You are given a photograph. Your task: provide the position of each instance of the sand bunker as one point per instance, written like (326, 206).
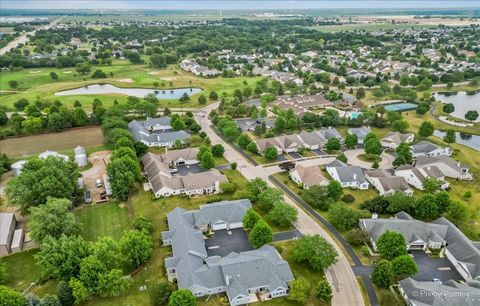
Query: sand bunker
(67, 72)
(36, 71)
(168, 78)
(126, 80)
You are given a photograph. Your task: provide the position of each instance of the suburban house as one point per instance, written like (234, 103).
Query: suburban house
(165, 183)
(156, 132)
(386, 184)
(244, 277)
(288, 143)
(347, 176)
(192, 66)
(447, 165)
(307, 176)
(435, 293)
(11, 239)
(361, 132)
(463, 254)
(426, 149)
(312, 140)
(417, 176)
(264, 143)
(394, 139)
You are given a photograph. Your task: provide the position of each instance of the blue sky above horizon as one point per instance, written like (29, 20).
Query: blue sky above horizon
(233, 5)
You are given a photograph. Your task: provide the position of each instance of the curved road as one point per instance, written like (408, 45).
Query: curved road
(346, 290)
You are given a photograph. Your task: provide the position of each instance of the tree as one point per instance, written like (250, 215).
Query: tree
(251, 218)
(80, 117)
(107, 250)
(431, 184)
(79, 291)
(382, 274)
(471, 115)
(404, 155)
(342, 217)
(202, 100)
(53, 219)
(158, 60)
(299, 290)
(400, 126)
(83, 68)
(136, 246)
(422, 108)
(142, 224)
(60, 258)
(213, 96)
(10, 297)
(391, 245)
(372, 144)
(184, 98)
(21, 104)
(280, 124)
(243, 140)
(404, 266)
(33, 125)
(65, 294)
(123, 151)
(207, 161)
(160, 293)
(333, 144)
(426, 129)
(90, 270)
(426, 207)
(178, 125)
(252, 147)
(99, 74)
(360, 93)
(13, 84)
(283, 214)
(450, 136)
(182, 297)
(40, 179)
(268, 198)
(113, 283)
(270, 154)
(121, 179)
(323, 291)
(260, 234)
(314, 251)
(457, 212)
(317, 196)
(255, 187)
(3, 271)
(351, 141)
(334, 190)
(448, 108)
(5, 163)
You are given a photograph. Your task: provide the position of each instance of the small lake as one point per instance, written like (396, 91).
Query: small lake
(103, 89)
(469, 140)
(463, 102)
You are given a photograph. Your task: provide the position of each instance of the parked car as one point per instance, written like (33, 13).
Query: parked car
(87, 196)
(99, 183)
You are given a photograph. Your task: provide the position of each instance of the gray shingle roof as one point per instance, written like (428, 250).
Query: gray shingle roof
(6, 220)
(348, 173)
(140, 132)
(361, 132)
(424, 147)
(211, 213)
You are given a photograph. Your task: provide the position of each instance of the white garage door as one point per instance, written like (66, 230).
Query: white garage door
(235, 225)
(219, 226)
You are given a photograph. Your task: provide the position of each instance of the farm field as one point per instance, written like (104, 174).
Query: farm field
(371, 27)
(67, 140)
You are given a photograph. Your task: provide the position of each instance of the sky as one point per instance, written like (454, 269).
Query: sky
(232, 5)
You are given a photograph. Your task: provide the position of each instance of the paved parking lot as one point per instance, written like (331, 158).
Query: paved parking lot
(223, 242)
(184, 170)
(430, 268)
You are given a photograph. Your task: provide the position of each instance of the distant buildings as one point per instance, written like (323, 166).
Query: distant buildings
(193, 67)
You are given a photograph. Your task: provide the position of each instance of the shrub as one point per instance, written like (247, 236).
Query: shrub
(348, 198)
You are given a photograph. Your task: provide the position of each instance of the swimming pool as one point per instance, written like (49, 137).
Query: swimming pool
(400, 107)
(354, 115)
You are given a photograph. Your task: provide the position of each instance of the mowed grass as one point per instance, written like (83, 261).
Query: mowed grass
(36, 84)
(67, 140)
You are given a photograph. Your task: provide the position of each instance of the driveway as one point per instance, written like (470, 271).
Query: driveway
(99, 161)
(185, 170)
(431, 267)
(295, 155)
(351, 155)
(288, 235)
(223, 242)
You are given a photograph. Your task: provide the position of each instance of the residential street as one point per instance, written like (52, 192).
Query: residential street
(346, 290)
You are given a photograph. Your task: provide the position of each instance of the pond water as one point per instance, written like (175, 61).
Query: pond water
(400, 107)
(463, 102)
(103, 89)
(469, 140)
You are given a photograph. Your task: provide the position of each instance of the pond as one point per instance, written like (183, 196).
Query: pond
(103, 89)
(469, 140)
(462, 101)
(400, 107)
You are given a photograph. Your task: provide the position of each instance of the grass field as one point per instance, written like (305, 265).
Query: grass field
(67, 140)
(36, 84)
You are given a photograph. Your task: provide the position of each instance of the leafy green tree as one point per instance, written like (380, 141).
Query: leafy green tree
(33, 125)
(431, 184)
(400, 126)
(65, 294)
(426, 129)
(113, 283)
(255, 187)
(323, 291)
(10, 297)
(457, 212)
(182, 297)
(382, 274)
(124, 142)
(404, 266)
(207, 161)
(333, 144)
(360, 93)
(184, 98)
(270, 154)
(450, 136)
(218, 150)
(136, 246)
(299, 290)
(202, 100)
(60, 258)
(426, 207)
(342, 217)
(351, 141)
(79, 291)
(142, 224)
(334, 190)
(283, 215)
(90, 270)
(121, 178)
(252, 147)
(83, 68)
(4, 163)
(251, 218)
(107, 250)
(53, 219)
(13, 84)
(160, 293)
(80, 117)
(268, 198)
(471, 115)
(280, 124)
(422, 108)
(40, 179)
(317, 196)
(213, 96)
(178, 125)
(372, 144)
(314, 251)
(123, 151)
(113, 135)
(448, 108)
(99, 74)
(391, 244)
(260, 234)
(404, 155)
(243, 140)
(3, 117)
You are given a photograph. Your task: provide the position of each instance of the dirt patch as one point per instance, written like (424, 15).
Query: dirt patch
(99, 161)
(33, 145)
(126, 80)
